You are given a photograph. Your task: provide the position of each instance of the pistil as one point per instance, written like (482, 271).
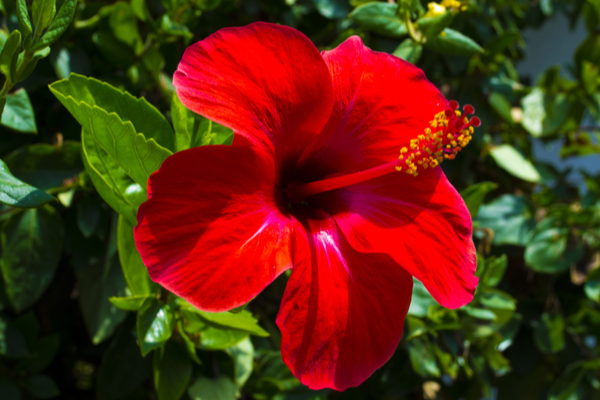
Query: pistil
(448, 133)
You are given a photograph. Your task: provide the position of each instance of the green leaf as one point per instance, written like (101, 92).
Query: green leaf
(136, 273)
(42, 387)
(43, 13)
(431, 26)
(548, 333)
(421, 300)
(513, 162)
(18, 113)
(155, 322)
(422, 358)
(24, 23)
(479, 313)
(172, 371)
(41, 354)
(208, 337)
(243, 321)
(409, 50)
(32, 245)
(37, 56)
(501, 105)
(45, 166)
(122, 369)
(123, 25)
(497, 299)
(190, 346)
(12, 342)
(146, 119)
(550, 250)
(9, 56)
(542, 113)
(592, 285)
(566, 385)
(495, 267)
(59, 25)
(500, 43)
(131, 303)
(380, 18)
(332, 9)
(474, 195)
(111, 181)
(208, 389)
(453, 42)
(242, 355)
(98, 282)
(16, 193)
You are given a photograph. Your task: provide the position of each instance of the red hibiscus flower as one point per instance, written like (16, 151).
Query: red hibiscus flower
(333, 174)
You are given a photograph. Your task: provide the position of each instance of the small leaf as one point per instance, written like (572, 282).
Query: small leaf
(548, 333)
(172, 371)
(43, 13)
(509, 218)
(431, 26)
(380, 18)
(243, 320)
(135, 272)
(421, 300)
(495, 267)
(37, 56)
(474, 195)
(131, 303)
(242, 355)
(88, 215)
(59, 25)
(16, 193)
(42, 387)
(566, 385)
(32, 246)
(453, 42)
(18, 113)
(9, 56)
(24, 23)
(422, 357)
(543, 114)
(592, 285)
(155, 322)
(514, 163)
(409, 50)
(550, 250)
(207, 389)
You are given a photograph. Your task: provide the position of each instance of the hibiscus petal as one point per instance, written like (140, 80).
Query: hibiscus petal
(422, 222)
(342, 313)
(212, 231)
(266, 82)
(381, 103)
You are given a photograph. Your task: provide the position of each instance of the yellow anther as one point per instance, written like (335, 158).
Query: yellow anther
(398, 169)
(404, 150)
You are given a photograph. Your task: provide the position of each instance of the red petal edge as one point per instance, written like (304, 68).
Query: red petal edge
(265, 81)
(342, 313)
(422, 222)
(211, 231)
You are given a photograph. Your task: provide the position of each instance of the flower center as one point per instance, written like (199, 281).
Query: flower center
(450, 131)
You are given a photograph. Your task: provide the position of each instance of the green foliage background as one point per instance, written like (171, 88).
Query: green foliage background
(79, 317)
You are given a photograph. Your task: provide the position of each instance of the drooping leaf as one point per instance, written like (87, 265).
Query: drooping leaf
(243, 320)
(380, 18)
(512, 161)
(155, 322)
(146, 119)
(18, 113)
(453, 42)
(32, 245)
(135, 272)
(172, 371)
(130, 303)
(409, 50)
(16, 193)
(242, 355)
